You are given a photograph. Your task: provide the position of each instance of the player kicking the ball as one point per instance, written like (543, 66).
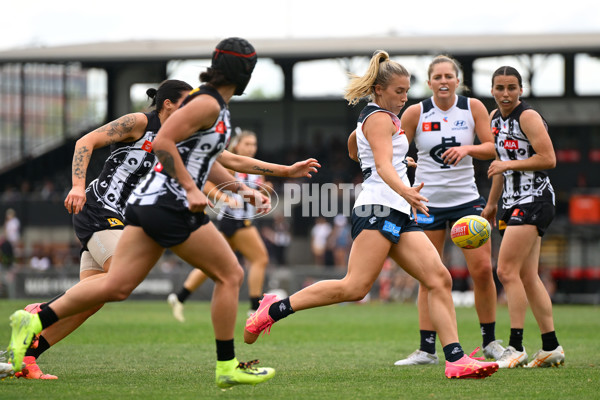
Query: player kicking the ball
(382, 225)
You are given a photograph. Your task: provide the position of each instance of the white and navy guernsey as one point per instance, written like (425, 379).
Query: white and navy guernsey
(437, 131)
(374, 190)
(520, 187)
(198, 152)
(127, 164)
(247, 210)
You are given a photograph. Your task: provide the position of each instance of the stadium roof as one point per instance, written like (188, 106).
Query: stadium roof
(316, 48)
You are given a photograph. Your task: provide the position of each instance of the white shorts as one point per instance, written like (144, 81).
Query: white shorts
(101, 247)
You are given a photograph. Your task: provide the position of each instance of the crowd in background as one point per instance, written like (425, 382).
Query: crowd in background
(328, 238)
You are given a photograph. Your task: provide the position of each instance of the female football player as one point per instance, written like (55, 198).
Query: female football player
(166, 210)
(444, 128)
(524, 153)
(382, 225)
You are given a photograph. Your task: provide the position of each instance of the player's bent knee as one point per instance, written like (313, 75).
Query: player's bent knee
(482, 274)
(507, 275)
(233, 276)
(440, 279)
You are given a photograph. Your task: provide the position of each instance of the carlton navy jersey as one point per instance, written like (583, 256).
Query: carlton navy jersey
(198, 152)
(373, 189)
(520, 187)
(127, 164)
(437, 131)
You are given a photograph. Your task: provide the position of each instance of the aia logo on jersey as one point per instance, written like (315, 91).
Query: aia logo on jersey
(220, 129)
(147, 146)
(511, 144)
(431, 126)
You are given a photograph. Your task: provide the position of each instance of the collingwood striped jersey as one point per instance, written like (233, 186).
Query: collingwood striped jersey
(374, 189)
(198, 153)
(520, 187)
(437, 131)
(127, 164)
(246, 210)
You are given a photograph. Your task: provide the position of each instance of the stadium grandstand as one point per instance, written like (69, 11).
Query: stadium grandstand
(51, 96)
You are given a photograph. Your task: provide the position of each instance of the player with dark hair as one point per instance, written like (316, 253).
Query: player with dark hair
(235, 222)
(524, 154)
(98, 210)
(166, 210)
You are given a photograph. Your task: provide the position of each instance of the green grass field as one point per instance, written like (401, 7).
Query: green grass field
(136, 350)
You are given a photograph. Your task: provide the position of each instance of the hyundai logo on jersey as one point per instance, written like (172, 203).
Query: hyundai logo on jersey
(460, 123)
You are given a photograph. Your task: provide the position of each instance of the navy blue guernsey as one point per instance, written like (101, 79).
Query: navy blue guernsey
(520, 187)
(127, 164)
(198, 152)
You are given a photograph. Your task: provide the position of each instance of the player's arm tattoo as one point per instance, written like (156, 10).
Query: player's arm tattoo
(80, 160)
(265, 170)
(117, 129)
(167, 161)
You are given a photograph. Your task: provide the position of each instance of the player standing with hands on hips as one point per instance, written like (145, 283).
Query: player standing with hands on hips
(382, 225)
(166, 210)
(444, 128)
(524, 153)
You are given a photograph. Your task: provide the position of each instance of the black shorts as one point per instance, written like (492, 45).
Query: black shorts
(167, 226)
(539, 214)
(93, 218)
(230, 226)
(444, 217)
(388, 221)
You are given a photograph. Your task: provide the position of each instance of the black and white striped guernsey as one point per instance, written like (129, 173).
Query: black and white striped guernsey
(127, 164)
(198, 152)
(520, 187)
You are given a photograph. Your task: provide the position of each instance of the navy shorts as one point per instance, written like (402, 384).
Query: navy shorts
(539, 214)
(230, 226)
(166, 226)
(388, 221)
(444, 217)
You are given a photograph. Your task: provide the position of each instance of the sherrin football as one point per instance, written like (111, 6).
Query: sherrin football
(470, 232)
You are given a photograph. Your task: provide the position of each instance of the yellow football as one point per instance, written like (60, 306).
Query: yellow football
(470, 232)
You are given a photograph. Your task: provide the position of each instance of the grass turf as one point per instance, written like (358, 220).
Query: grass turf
(136, 350)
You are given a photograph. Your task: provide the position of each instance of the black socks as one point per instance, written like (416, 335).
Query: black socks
(427, 341)
(225, 350)
(254, 303)
(549, 341)
(516, 339)
(280, 309)
(453, 352)
(47, 317)
(488, 332)
(42, 346)
(183, 294)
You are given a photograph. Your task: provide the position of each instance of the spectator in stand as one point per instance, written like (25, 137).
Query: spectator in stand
(319, 235)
